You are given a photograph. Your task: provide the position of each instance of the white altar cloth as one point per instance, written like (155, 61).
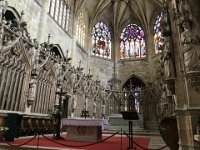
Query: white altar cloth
(85, 122)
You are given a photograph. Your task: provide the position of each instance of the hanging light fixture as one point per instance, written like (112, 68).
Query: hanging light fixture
(114, 80)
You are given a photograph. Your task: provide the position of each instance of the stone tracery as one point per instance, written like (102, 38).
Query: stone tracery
(36, 79)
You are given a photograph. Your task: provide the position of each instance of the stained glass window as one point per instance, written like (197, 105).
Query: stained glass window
(101, 41)
(157, 33)
(132, 44)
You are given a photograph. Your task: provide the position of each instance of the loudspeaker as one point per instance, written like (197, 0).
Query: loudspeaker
(13, 122)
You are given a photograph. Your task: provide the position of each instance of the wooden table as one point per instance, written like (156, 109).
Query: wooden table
(83, 129)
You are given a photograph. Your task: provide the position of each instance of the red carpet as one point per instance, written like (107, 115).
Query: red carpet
(113, 143)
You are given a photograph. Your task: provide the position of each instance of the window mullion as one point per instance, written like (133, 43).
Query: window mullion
(62, 13)
(55, 6)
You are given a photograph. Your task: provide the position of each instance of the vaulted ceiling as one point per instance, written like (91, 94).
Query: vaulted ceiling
(119, 13)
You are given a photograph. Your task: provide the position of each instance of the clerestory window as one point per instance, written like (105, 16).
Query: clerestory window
(59, 10)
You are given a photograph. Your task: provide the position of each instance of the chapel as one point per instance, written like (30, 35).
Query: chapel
(94, 59)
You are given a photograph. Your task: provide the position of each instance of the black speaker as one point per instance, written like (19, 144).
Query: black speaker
(13, 122)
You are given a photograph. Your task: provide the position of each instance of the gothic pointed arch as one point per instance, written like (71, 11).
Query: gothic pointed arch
(133, 82)
(131, 93)
(11, 14)
(12, 17)
(56, 49)
(132, 42)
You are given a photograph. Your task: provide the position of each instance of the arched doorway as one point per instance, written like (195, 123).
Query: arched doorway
(131, 91)
(130, 99)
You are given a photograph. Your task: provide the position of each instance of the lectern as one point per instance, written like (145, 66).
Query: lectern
(130, 115)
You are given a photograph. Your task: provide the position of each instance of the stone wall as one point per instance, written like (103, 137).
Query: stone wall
(102, 69)
(81, 55)
(40, 24)
(140, 68)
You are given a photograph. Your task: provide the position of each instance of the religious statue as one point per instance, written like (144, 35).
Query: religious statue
(86, 103)
(74, 102)
(165, 26)
(167, 55)
(185, 10)
(191, 49)
(57, 100)
(32, 91)
(167, 61)
(94, 107)
(103, 110)
(166, 102)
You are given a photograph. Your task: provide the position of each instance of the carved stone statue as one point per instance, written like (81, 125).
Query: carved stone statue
(167, 61)
(165, 26)
(74, 102)
(103, 109)
(32, 90)
(185, 10)
(86, 103)
(191, 49)
(94, 107)
(167, 55)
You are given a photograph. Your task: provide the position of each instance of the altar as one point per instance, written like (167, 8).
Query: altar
(84, 129)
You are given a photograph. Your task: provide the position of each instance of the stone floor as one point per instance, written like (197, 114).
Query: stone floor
(156, 140)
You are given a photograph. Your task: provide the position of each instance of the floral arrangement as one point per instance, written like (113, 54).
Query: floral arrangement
(3, 129)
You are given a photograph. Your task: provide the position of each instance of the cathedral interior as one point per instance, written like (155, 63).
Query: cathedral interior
(97, 58)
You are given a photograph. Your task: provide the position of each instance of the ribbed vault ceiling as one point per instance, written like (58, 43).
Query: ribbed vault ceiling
(118, 13)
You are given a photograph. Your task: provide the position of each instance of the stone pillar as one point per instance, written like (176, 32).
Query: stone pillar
(187, 120)
(182, 14)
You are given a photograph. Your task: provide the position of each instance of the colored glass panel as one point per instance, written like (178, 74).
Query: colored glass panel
(132, 44)
(101, 41)
(157, 33)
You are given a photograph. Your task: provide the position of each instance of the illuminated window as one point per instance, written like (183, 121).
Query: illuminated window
(81, 28)
(157, 33)
(59, 10)
(132, 44)
(101, 41)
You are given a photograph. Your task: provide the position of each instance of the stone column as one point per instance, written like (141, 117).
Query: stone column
(187, 92)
